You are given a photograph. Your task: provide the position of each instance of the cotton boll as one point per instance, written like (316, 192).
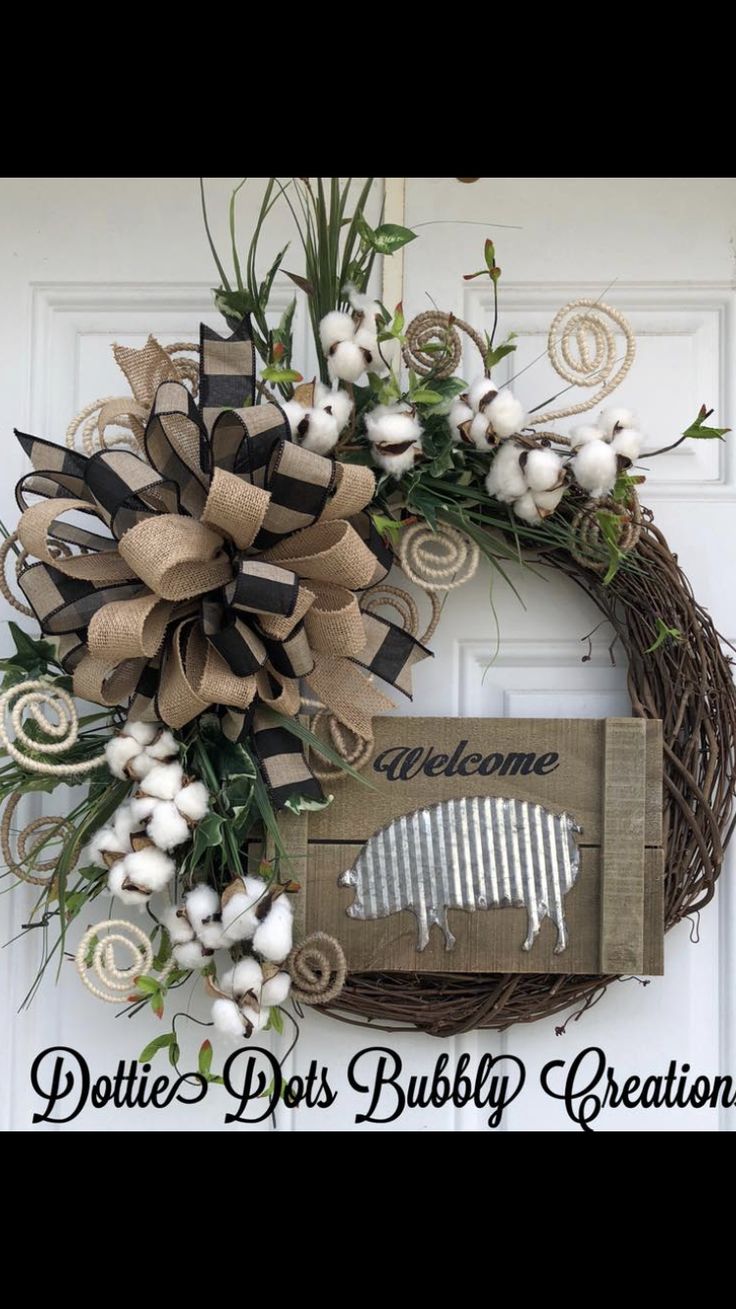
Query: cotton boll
(612, 419)
(125, 822)
(142, 806)
(167, 827)
(460, 412)
(201, 904)
(627, 442)
(543, 470)
(177, 925)
(582, 435)
(321, 432)
(368, 342)
(258, 1021)
(127, 894)
(395, 464)
(365, 305)
(547, 501)
(193, 801)
(480, 393)
(239, 913)
(244, 977)
(394, 426)
(148, 868)
(526, 509)
(227, 1019)
(143, 733)
(595, 468)
(480, 433)
(141, 766)
(337, 402)
(335, 327)
(295, 415)
(506, 480)
(276, 990)
(165, 746)
(346, 362)
(505, 414)
(118, 754)
(192, 954)
(105, 841)
(163, 781)
(273, 937)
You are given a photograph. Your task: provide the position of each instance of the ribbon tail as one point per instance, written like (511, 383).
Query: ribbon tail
(390, 652)
(348, 694)
(282, 761)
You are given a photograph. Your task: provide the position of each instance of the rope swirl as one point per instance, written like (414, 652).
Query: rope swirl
(116, 983)
(583, 351)
(25, 863)
(44, 702)
(438, 560)
(436, 328)
(318, 969)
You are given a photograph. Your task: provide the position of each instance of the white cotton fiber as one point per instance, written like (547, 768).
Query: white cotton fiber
(142, 806)
(245, 976)
(295, 414)
(276, 990)
(365, 305)
(143, 733)
(480, 393)
(337, 402)
(178, 927)
(118, 752)
(480, 432)
(193, 801)
(125, 822)
(506, 480)
(393, 426)
(547, 501)
(115, 879)
(227, 1019)
(526, 509)
(141, 766)
(163, 781)
(148, 868)
(201, 903)
(167, 828)
(257, 1020)
(369, 345)
(107, 841)
(192, 954)
(347, 362)
(595, 468)
(335, 327)
(543, 470)
(239, 920)
(505, 414)
(321, 434)
(272, 938)
(165, 746)
(627, 442)
(582, 435)
(460, 412)
(395, 464)
(612, 419)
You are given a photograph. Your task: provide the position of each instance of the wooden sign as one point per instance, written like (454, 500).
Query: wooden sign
(492, 845)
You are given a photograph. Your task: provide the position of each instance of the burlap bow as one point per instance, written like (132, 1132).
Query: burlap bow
(232, 569)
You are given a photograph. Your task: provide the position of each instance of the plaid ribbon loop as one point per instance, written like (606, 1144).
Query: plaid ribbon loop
(229, 567)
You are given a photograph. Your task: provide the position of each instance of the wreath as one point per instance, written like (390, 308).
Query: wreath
(209, 570)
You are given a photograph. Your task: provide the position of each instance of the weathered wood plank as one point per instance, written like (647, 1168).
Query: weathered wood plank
(622, 871)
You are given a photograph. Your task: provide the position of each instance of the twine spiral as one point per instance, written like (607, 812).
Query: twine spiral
(583, 351)
(438, 560)
(116, 983)
(587, 534)
(318, 969)
(126, 412)
(436, 328)
(44, 702)
(25, 863)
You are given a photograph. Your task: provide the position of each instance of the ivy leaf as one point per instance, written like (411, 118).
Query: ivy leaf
(388, 238)
(30, 650)
(208, 834)
(167, 1039)
(234, 304)
(389, 528)
(697, 431)
(303, 804)
(204, 1062)
(664, 633)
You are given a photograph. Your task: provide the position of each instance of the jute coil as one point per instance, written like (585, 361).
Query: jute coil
(436, 328)
(439, 559)
(588, 535)
(25, 863)
(583, 350)
(353, 749)
(318, 969)
(116, 983)
(52, 709)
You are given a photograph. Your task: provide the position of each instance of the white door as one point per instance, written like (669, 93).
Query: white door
(86, 262)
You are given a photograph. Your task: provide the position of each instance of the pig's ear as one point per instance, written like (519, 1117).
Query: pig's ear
(348, 878)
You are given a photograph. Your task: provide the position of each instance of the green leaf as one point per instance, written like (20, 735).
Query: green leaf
(303, 804)
(89, 956)
(495, 356)
(468, 277)
(697, 431)
(283, 376)
(29, 649)
(207, 835)
(302, 282)
(174, 1053)
(264, 291)
(390, 237)
(426, 397)
(388, 527)
(166, 1040)
(204, 1063)
(489, 251)
(147, 985)
(234, 304)
(276, 1021)
(664, 633)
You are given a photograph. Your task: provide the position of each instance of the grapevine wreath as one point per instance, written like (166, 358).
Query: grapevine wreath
(207, 559)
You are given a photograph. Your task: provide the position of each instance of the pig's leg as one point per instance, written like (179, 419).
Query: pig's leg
(440, 918)
(422, 928)
(559, 921)
(533, 925)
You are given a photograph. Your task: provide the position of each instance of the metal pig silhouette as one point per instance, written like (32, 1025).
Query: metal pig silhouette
(480, 852)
